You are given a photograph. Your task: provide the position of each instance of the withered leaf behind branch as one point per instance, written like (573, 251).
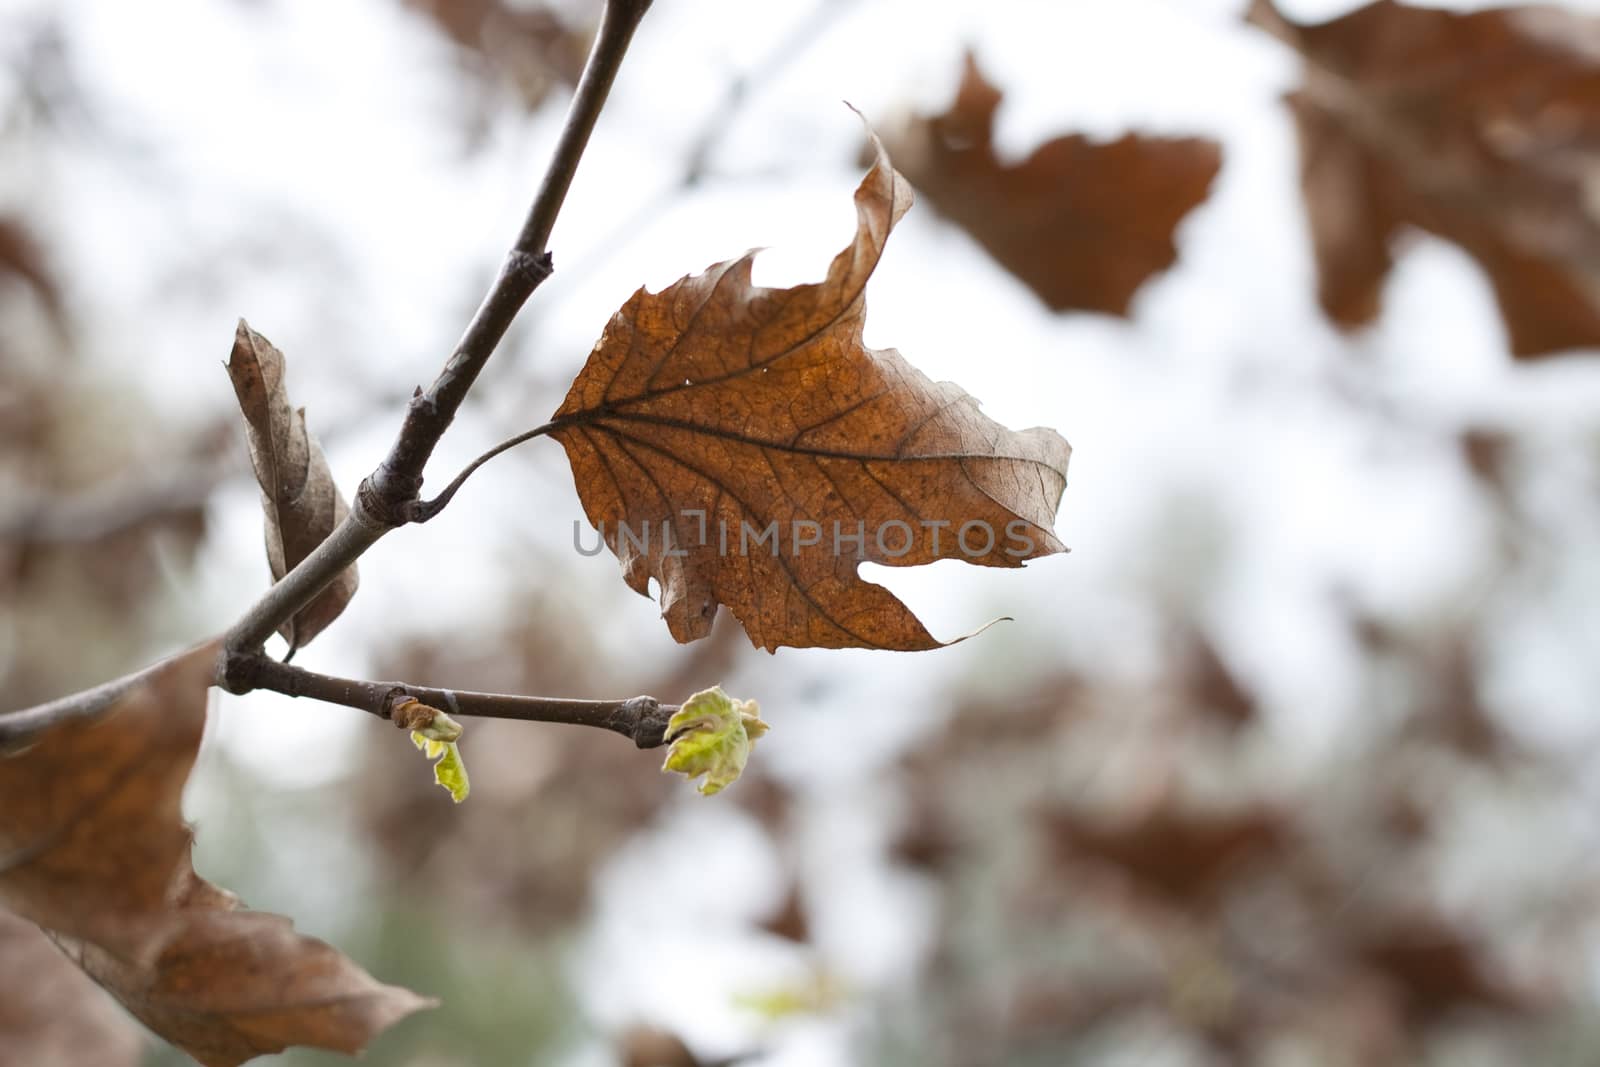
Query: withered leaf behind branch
(93, 849)
(53, 1013)
(91, 831)
(719, 412)
(228, 984)
(1478, 127)
(301, 502)
(533, 46)
(1082, 224)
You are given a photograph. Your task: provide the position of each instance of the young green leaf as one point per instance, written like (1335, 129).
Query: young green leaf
(435, 734)
(448, 768)
(712, 735)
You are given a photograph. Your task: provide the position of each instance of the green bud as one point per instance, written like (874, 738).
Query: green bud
(711, 735)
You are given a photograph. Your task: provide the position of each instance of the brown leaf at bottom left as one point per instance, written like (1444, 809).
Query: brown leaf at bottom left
(94, 851)
(51, 1012)
(92, 838)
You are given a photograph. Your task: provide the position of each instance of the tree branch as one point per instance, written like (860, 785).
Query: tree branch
(642, 719)
(389, 497)
(87, 516)
(392, 489)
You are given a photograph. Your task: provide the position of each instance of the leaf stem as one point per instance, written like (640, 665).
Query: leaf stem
(642, 719)
(426, 510)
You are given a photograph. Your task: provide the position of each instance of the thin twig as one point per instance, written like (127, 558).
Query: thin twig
(390, 496)
(642, 719)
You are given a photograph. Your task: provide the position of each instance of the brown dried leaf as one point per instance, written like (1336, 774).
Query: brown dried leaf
(51, 1012)
(761, 408)
(91, 832)
(94, 849)
(228, 985)
(1082, 224)
(1480, 128)
(301, 503)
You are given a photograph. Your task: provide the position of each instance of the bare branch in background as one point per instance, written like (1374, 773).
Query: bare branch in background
(107, 509)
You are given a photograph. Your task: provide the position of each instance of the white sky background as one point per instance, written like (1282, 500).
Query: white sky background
(1227, 413)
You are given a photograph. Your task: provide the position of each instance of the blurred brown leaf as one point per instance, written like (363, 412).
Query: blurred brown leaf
(1445, 699)
(93, 848)
(1489, 454)
(301, 502)
(1438, 970)
(1104, 868)
(1082, 224)
(228, 984)
(644, 1046)
(791, 921)
(22, 257)
(1212, 688)
(51, 1012)
(532, 47)
(760, 406)
(1480, 128)
(1184, 856)
(91, 834)
(925, 844)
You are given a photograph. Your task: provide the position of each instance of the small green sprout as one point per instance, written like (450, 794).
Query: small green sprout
(711, 735)
(435, 734)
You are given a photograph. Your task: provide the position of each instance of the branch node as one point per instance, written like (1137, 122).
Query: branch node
(387, 498)
(239, 671)
(532, 269)
(645, 720)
